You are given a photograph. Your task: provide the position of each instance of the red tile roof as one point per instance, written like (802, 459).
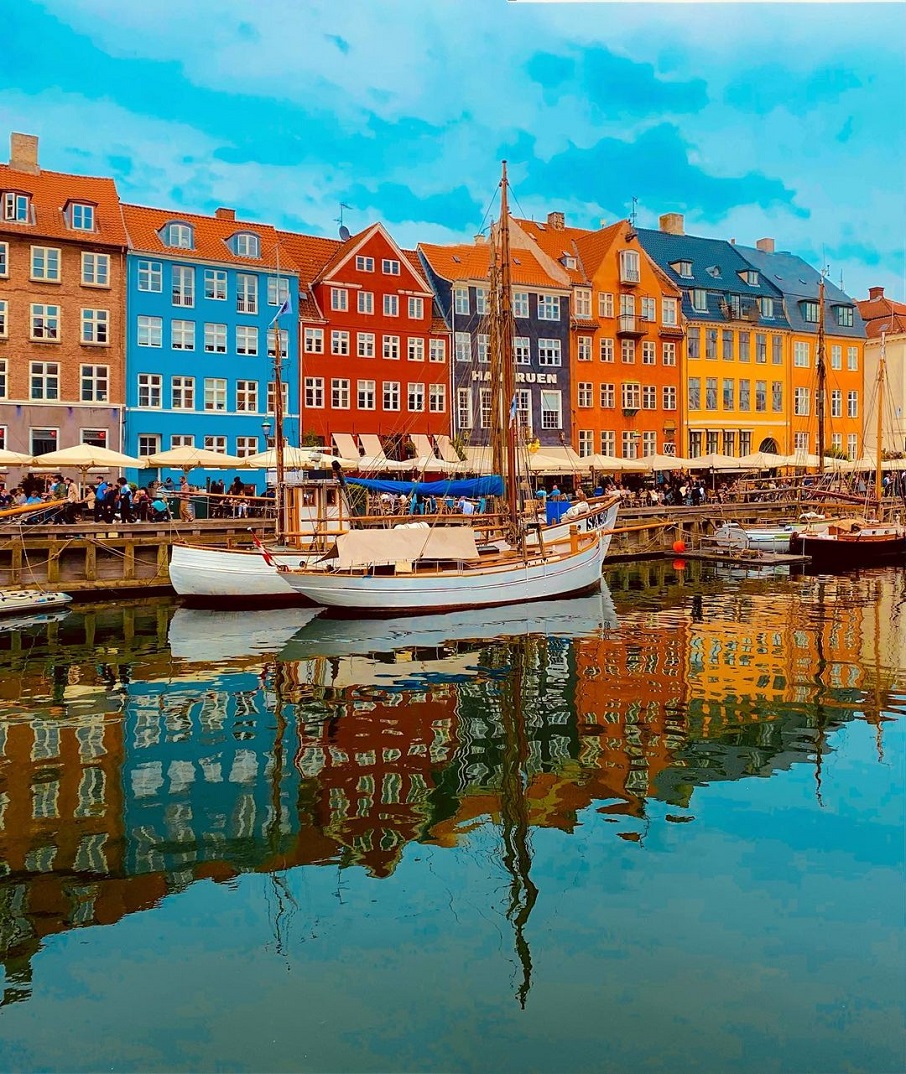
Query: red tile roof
(311, 253)
(560, 243)
(210, 235)
(51, 191)
(882, 312)
(472, 262)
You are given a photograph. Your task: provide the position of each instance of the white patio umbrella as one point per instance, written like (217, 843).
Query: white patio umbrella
(296, 458)
(801, 460)
(84, 456)
(14, 458)
(613, 464)
(665, 462)
(761, 460)
(193, 458)
(714, 461)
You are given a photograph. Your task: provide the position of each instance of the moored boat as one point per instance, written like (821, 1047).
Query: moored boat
(25, 601)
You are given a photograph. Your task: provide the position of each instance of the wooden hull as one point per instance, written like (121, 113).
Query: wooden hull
(212, 575)
(485, 586)
(839, 551)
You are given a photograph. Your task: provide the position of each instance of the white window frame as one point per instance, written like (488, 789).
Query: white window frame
(46, 264)
(215, 395)
(215, 338)
(150, 391)
(94, 383)
(95, 270)
(182, 393)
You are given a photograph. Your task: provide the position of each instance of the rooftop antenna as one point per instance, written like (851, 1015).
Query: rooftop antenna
(632, 218)
(344, 230)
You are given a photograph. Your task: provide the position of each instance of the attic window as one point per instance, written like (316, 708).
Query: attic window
(178, 235)
(810, 312)
(81, 216)
(246, 244)
(844, 316)
(682, 268)
(568, 262)
(516, 261)
(714, 271)
(456, 259)
(749, 276)
(17, 207)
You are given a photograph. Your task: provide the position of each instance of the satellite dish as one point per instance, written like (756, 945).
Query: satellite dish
(344, 232)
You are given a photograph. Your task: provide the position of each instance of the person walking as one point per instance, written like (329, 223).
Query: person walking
(124, 500)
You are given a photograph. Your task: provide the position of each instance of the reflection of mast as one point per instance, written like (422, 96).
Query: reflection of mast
(517, 852)
(822, 375)
(282, 894)
(820, 668)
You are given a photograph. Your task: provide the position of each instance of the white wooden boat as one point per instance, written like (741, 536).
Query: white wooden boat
(25, 601)
(738, 538)
(231, 575)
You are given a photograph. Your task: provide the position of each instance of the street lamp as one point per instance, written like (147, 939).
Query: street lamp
(266, 426)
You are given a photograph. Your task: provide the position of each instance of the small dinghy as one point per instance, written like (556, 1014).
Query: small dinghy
(27, 601)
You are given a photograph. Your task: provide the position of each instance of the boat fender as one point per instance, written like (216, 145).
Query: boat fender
(577, 509)
(412, 526)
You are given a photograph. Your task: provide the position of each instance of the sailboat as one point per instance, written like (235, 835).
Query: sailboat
(432, 568)
(857, 542)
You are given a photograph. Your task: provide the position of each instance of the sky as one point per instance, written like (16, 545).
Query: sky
(752, 120)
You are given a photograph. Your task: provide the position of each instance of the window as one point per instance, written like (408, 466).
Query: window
(836, 357)
(629, 266)
(416, 308)
(416, 349)
(246, 293)
(627, 351)
(694, 342)
(247, 396)
(246, 245)
(364, 264)
(727, 340)
(630, 440)
(745, 443)
(339, 390)
(744, 341)
(605, 304)
(462, 347)
(520, 304)
(852, 445)
(606, 349)
(150, 276)
(215, 443)
(810, 311)
(4, 259)
(246, 339)
(390, 268)
(669, 397)
(178, 235)
(548, 310)
(461, 300)
(484, 406)
(148, 444)
(339, 299)
(713, 441)
(631, 395)
(45, 380)
(699, 299)
(801, 354)
(391, 305)
(150, 389)
(649, 309)
(215, 392)
(246, 445)
(668, 353)
(852, 404)
(391, 347)
(583, 349)
(649, 353)
(481, 300)
(95, 270)
(272, 342)
(801, 402)
(582, 300)
(366, 302)
(277, 290)
(365, 344)
(182, 440)
(95, 437)
(766, 307)
(45, 323)
(711, 344)
(608, 442)
(45, 263)
(776, 350)
(339, 342)
(729, 393)
(44, 440)
(416, 398)
(94, 381)
(777, 396)
(551, 414)
(215, 285)
(182, 393)
(585, 393)
(215, 337)
(17, 208)
(649, 397)
(586, 443)
(183, 286)
(745, 389)
(695, 393)
(463, 408)
(365, 394)
(711, 393)
(837, 442)
(844, 316)
(94, 327)
(627, 306)
(761, 347)
(483, 344)
(549, 354)
(314, 340)
(695, 443)
(682, 268)
(836, 403)
(608, 395)
(391, 395)
(272, 396)
(852, 359)
(4, 328)
(668, 311)
(182, 335)
(750, 277)
(522, 350)
(761, 395)
(437, 350)
(314, 392)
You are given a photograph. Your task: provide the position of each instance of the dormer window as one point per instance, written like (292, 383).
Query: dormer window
(713, 271)
(245, 244)
(178, 235)
(568, 262)
(17, 207)
(81, 216)
(810, 312)
(844, 316)
(682, 268)
(749, 276)
(766, 305)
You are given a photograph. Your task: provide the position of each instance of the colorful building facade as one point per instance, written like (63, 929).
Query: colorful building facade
(885, 327)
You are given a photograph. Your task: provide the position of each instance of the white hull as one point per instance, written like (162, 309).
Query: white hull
(203, 635)
(25, 601)
(536, 578)
(222, 574)
(731, 535)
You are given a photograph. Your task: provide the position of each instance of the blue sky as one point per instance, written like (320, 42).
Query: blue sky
(752, 120)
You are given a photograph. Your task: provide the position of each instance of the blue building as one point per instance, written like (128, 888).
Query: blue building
(202, 293)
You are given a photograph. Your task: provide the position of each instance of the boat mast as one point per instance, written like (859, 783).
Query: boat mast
(278, 432)
(822, 376)
(505, 334)
(879, 425)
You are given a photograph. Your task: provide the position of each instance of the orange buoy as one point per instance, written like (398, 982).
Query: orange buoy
(679, 546)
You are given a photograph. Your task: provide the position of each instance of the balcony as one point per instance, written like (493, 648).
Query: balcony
(630, 325)
(629, 274)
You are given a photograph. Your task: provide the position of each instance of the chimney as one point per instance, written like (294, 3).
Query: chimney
(765, 245)
(672, 223)
(23, 152)
(557, 221)
(875, 293)
(732, 242)
(225, 214)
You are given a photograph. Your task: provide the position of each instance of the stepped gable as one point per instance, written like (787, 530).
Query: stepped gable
(210, 238)
(51, 192)
(879, 311)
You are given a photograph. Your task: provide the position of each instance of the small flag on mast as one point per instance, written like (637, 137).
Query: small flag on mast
(514, 410)
(285, 307)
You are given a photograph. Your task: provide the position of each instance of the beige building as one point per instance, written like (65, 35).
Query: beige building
(885, 322)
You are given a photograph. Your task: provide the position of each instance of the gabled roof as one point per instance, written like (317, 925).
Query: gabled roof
(560, 243)
(883, 313)
(471, 262)
(357, 242)
(716, 263)
(210, 235)
(51, 192)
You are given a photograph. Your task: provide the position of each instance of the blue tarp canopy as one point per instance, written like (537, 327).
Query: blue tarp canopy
(474, 487)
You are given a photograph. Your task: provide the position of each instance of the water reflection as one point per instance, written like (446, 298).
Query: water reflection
(143, 748)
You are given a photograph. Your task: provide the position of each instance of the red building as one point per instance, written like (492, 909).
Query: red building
(375, 360)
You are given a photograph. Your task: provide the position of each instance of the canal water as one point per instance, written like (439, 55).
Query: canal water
(657, 830)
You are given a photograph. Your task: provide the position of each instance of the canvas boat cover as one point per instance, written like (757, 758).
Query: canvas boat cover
(378, 548)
